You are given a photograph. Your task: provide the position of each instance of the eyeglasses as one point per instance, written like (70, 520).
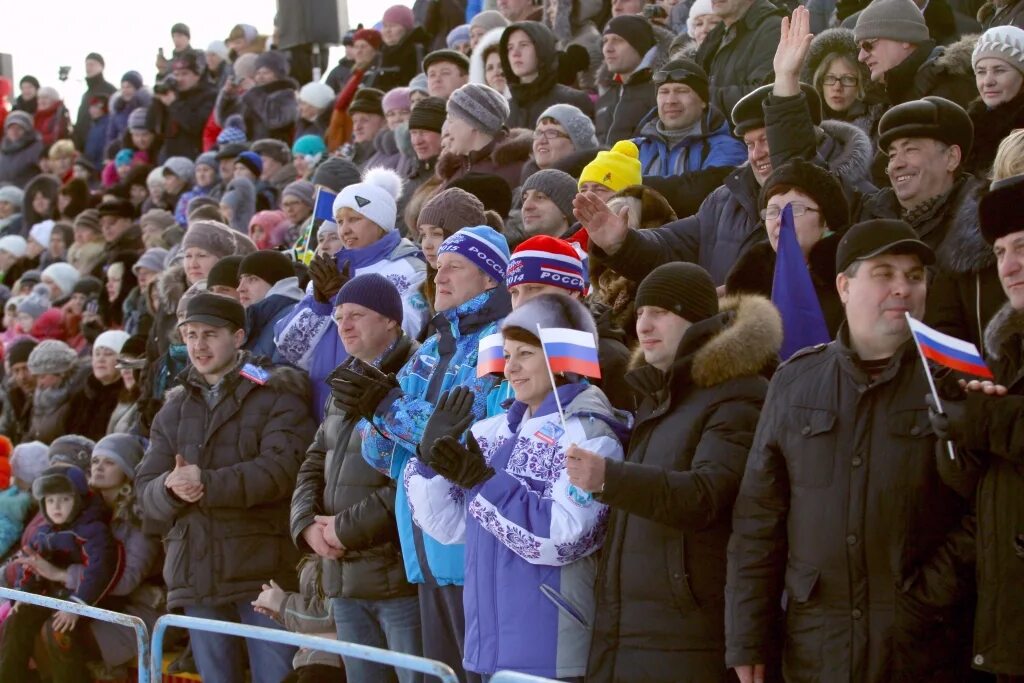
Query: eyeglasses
(867, 45)
(675, 76)
(845, 81)
(772, 213)
(550, 134)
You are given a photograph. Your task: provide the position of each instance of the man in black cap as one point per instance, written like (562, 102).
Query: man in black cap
(671, 499)
(446, 71)
(737, 54)
(181, 121)
(367, 116)
(986, 425)
(16, 391)
(96, 87)
(268, 289)
(226, 157)
(841, 502)
(629, 49)
(222, 460)
(278, 170)
(117, 222)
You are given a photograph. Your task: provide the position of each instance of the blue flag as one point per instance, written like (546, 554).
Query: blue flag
(323, 210)
(803, 323)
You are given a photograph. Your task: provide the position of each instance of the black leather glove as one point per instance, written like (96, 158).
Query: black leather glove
(951, 423)
(462, 465)
(327, 279)
(359, 392)
(452, 416)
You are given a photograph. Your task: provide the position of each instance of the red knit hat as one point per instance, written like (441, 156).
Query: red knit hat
(370, 36)
(546, 260)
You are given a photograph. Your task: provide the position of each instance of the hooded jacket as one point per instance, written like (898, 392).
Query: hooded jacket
(842, 505)
(335, 480)
(712, 146)
(444, 361)
(530, 535)
(261, 316)
(628, 100)
(662, 574)
(477, 67)
(738, 60)
(120, 110)
(529, 100)
(248, 440)
(19, 160)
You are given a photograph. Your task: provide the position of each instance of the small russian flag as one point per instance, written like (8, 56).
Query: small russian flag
(570, 351)
(948, 351)
(491, 356)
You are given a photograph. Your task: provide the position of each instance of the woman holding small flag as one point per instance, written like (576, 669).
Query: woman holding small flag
(531, 536)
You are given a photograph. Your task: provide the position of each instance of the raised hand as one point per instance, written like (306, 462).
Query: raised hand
(794, 43)
(607, 230)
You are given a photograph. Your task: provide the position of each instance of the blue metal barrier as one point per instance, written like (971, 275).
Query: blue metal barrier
(513, 677)
(338, 647)
(141, 632)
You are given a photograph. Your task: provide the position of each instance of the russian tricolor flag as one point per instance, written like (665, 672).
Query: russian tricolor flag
(948, 351)
(491, 356)
(570, 351)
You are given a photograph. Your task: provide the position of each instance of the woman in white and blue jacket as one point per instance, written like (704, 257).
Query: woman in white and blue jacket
(531, 537)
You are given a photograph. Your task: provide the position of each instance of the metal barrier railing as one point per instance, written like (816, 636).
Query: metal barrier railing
(514, 677)
(338, 647)
(135, 623)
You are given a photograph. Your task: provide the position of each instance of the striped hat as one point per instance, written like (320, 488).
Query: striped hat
(545, 260)
(483, 246)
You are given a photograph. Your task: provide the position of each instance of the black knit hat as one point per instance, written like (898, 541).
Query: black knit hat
(748, 114)
(88, 285)
(453, 56)
(816, 183)
(336, 174)
(224, 273)
(490, 189)
(635, 30)
(999, 211)
(182, 29)
(231, 150)
(269, 266)
(373, 291)
(428, 114)
(19, 351)
(685, 71)
(929, 117)
(188, 61)
(881, 236)
(367, 101)
(685, 289)
(213, 309)
(121, 208)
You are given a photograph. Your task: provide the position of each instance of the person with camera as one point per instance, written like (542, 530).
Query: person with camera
(182, 109)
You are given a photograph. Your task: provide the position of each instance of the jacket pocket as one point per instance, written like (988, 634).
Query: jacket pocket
(813, 443)
(801, 580)
(910, 424)
(677, 576)
(249, 551)
(177, 565)
(564, 605)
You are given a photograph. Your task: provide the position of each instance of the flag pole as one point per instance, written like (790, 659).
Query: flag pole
(931, 382)
(554, 388)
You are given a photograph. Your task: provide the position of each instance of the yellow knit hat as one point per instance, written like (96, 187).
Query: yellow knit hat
(616, 169)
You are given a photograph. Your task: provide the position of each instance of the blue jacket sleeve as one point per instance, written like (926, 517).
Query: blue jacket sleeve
(103, 559)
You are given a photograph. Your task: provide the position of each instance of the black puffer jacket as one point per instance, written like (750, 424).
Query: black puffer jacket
(396, 65)
(335, 480)
(181, 124)
(842, 505)
(269, 111)
(930, 70)
(661, 578)
(990, 127)
(738, 60)
(529, 100)
(622, 107)
(249, 446)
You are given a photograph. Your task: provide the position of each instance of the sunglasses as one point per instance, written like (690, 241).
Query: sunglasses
(675, 76)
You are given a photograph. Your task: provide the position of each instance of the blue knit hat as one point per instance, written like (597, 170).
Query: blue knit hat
(234, 131)
(252, 161)
(309, 145)
(483, 246)
(373, 291)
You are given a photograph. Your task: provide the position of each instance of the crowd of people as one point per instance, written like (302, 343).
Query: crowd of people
(250, 371)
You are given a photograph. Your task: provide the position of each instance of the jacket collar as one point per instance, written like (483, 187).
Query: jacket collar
(480, 311)
(900, 79)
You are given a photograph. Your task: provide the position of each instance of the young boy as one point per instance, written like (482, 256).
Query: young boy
(76, 531)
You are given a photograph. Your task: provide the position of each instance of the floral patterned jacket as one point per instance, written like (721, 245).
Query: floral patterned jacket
(531, 537)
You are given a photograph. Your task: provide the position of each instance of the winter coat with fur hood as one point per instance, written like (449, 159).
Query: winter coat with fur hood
(269, 111)
(931, 70)
(248, 440)
(504, 156)
(529, 100)
(661, 577)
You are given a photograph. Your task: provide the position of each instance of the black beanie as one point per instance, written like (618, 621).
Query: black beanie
(635, 30)
(19, 351)
(685, 289)
(88, 285)
(492, 191)
(428, 114)
(269, 266)
(224, 273)
(816, 183)
(685, 71)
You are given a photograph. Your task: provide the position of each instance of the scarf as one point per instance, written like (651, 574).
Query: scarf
(368, 255)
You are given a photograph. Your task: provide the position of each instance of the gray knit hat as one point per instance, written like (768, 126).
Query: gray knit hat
(481, 106)
(123, 449)
(153, 259)
(37, 302)
(72, 449)
(559, 186)
(1002, 42)
(302, 190)
(489, 20)
(208, 159)
(210, 236)
(183, 168)
(51, 357)
(577, 124)
(12, 195)
(336, 174)
(899, 20)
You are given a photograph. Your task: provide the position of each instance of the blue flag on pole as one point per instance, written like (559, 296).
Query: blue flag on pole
(803, 323)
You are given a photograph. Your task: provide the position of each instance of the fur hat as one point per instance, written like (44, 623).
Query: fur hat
(551, 310)
(72, 449)
(57, 481)
(1004, 200)
(376, 198)
(929, 117)
(748, 114)
(276, 62)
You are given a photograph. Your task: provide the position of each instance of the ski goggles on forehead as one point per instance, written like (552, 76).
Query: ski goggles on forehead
(673, 76)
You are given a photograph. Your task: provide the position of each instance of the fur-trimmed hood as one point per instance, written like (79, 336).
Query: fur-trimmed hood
(832, 41)
(850, 154)
(509, 148)
(170, 287)
(1005, 330)
(477, 68)
(742, 340)
(955, 59)
(963, 250)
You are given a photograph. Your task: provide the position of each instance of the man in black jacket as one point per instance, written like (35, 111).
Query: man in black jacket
(841, 503)
(96, 86)
(344, 511)
(987, 423)
(191, 102)
(629, 48)
(662, 570)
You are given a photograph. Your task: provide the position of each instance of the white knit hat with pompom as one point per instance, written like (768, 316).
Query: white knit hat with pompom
(376, 197)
